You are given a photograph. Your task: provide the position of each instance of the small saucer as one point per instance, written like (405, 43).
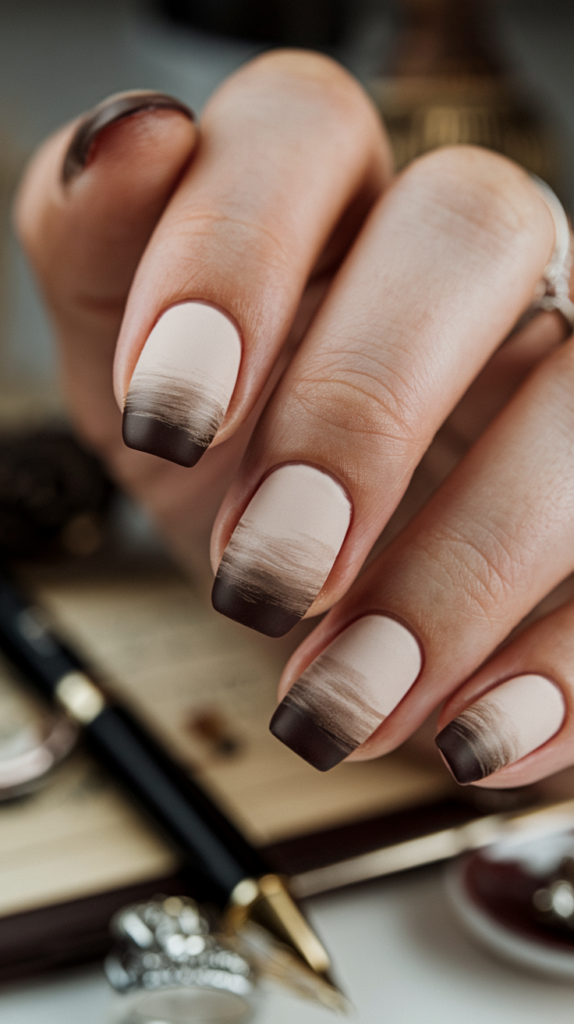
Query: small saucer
(33, 738)
(497, 894)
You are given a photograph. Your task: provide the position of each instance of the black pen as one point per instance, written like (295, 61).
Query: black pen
(225, 868)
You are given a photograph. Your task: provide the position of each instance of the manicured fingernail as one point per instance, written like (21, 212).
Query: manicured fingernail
(111, 110)
(506, 724)
(283, 549)
(182, 383)
(345, 694)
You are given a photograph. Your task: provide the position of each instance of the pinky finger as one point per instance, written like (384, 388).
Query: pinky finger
(512, 723)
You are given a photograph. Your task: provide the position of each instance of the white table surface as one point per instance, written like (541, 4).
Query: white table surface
(399, 953)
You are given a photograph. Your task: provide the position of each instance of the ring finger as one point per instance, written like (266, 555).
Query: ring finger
(492, 542)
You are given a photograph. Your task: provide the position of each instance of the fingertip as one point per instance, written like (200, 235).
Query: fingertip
(80, 203)
(95, 127)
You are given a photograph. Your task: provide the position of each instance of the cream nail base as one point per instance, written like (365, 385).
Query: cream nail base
(345, 694)
(509, 722)
(282, 549)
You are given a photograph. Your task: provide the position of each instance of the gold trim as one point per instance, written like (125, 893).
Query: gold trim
(432, 848)
(268, 902)
(80, 697)
(423, 112)
(263, 917)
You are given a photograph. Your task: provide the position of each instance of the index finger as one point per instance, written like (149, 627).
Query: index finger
(287, 145)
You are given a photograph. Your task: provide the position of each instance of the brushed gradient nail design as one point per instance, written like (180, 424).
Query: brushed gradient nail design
(283, 549)
(113, 109)
(507, 723)
(182, 383)
(345, 694)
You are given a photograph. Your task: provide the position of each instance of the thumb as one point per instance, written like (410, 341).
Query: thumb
(86, 208)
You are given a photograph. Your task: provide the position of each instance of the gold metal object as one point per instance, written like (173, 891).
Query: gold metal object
(447, 86)
(81, 698)
(432, 848)
(423, 114)
(268, 902)
(263, 914)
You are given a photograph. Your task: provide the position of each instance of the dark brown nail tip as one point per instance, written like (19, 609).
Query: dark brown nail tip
(146, 434)
(460, 756)
(109, 112)
(305, 737)
(267, 618)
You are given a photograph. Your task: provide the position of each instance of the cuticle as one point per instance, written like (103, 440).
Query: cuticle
(199, 302)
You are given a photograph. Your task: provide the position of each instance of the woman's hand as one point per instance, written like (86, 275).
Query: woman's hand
(263, 289)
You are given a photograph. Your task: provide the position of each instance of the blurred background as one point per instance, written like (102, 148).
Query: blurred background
(59, 57)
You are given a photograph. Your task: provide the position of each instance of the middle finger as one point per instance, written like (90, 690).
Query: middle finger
(445, 264)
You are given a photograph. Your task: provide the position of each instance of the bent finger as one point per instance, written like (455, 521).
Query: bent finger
(289, 144)
(84, 216)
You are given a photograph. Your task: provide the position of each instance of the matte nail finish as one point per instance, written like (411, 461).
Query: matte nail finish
(182, 383)
(116, 108)
(283, 549)
(345, 694)
(506, 724)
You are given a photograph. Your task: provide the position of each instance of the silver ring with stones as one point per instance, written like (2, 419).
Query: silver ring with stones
(170, 968)
(553, 292)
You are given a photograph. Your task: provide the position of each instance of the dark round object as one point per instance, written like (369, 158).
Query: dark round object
(47, 482)
(516, 898)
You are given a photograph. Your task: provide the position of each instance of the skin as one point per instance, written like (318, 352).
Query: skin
(372, 311)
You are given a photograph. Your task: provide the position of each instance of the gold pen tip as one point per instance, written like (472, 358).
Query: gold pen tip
(272, 929)
(279, 963)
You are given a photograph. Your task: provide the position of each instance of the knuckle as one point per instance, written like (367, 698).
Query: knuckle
(481, 563)
(317, 85)
(471, 189)
(241, 241)
(310, 68)
(304, 64)
(351, 396)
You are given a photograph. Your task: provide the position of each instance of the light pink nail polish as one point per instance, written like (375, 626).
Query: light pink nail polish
(509, 722)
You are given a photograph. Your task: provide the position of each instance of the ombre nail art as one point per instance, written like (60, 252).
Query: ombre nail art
(345, 694)
(114, 109)
(283, 549)
(182, 383)
(507, 723)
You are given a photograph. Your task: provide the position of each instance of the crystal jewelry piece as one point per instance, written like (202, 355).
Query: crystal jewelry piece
(171, 969)
(553, 293)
